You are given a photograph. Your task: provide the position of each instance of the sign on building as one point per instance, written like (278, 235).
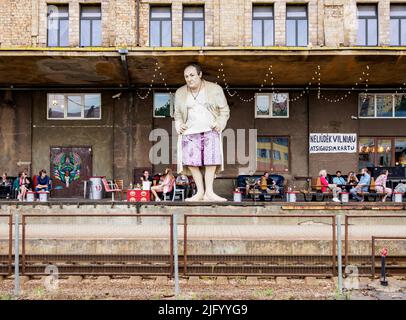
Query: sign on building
(333, 143)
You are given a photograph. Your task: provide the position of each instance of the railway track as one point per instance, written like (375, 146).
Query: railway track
(205, 265)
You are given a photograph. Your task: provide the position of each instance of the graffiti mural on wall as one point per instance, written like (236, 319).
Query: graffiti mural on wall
(67, 168)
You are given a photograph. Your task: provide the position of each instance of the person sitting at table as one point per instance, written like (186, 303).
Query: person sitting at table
(339, 180)
(380, 185)
(146, 177)
(182, 182)
(165, 185)
(362, 186)
(43, 182)
(325, 185)
(267, 183)
(352, 180)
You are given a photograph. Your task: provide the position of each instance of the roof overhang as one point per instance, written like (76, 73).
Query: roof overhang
(243, 67)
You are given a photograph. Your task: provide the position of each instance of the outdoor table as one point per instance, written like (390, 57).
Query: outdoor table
(138, 195)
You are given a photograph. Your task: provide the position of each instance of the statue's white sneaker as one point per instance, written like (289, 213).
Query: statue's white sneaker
(196, 197)
(213, 198)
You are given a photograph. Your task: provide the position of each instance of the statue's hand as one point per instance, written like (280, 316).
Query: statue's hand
(216, 127)
(183, 128)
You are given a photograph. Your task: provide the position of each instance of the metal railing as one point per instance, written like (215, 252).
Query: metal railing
(363, 261)
(99, 268)
(269, 268)
(6, 234)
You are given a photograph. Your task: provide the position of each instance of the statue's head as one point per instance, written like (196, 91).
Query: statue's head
(193, 75)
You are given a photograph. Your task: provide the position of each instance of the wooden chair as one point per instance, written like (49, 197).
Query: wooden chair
(110, 186)
(120, 184)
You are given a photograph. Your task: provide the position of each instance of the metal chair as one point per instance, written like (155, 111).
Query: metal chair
(178, 191)
(110, 186)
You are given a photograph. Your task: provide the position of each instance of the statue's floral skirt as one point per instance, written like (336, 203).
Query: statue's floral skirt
(201, 149)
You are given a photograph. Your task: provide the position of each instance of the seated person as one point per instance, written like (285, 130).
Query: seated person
(182, 182)
(5, 182)
(352, 180)
(6, 185)
(165, 185)
(43, 182)
(251, 184)
(23, 186)
(146, 177)
(362, 186)
(325, 185)
(267, 183)
(380, 185)
(339, 180)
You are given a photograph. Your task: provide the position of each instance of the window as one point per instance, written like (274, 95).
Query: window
(90, 26)
(262, 26)
(398, 25)
(58, 26)
(386, 105)
(367, 25)
(272, 105)
(74, 106)
(160, 28)
(269, 151)
(193, 26)
(163, 105)
(382, 152)
(296, 26)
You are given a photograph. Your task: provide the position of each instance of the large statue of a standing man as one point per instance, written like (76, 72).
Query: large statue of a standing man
(201, 114)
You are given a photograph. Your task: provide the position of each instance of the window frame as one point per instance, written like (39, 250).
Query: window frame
(160, 23)
(366, 18)
(263, 19)
(82, 5)
(171, 106)
(375, 109)
(271, 169)
(65, 96)
(270, 106)
(399, 19)
(193, 20)
(375, 139)
(59, 24)
(296, 19)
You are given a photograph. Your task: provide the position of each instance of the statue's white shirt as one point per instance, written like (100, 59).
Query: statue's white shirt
(199, 119)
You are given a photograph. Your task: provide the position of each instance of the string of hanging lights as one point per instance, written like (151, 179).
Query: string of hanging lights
(157, 72)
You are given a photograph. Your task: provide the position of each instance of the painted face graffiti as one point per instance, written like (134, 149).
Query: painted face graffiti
(67, 169)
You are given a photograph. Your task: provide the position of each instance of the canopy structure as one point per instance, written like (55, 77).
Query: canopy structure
(240, 67)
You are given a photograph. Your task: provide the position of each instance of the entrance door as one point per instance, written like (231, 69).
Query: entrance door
(70, 166)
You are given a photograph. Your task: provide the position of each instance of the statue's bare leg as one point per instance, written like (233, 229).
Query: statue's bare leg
(198, 177)
(209, 179)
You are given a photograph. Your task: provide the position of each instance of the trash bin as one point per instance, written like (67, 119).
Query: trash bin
(237, 196)
(345, 197)
(291, 196)
(43, 196)
(30, 196)
(96, 188)
(397, 197)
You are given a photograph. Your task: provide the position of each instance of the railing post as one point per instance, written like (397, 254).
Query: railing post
(175, 253)
(16, 255)
(339, 255)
